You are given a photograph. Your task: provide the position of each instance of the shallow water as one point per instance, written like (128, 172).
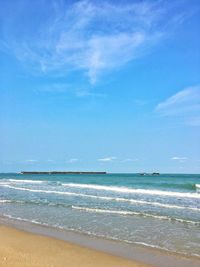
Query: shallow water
(157, 211)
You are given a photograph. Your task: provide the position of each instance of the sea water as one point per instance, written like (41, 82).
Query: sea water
(153, 211)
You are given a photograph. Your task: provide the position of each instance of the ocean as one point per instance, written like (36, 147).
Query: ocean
(161, 212)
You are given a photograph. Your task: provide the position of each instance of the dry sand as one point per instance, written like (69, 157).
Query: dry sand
(22, 249)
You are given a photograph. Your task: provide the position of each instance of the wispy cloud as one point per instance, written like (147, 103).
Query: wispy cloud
(179, 158)
(185, 104)
(72, 160)
(89, 36)
(71, 89)
(32, 161)
(87, 93)
(183, 101)
(55, 87)
(107, 159)
(115, 159)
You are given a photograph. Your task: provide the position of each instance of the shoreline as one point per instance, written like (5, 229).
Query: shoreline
(141, 256)
(19, 248)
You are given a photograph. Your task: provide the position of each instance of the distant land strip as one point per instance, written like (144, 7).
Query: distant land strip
(61, 172)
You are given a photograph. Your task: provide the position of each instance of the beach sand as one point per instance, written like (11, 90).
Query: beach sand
(23, 249)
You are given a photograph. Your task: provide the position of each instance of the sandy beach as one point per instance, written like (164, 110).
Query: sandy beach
(22, 249)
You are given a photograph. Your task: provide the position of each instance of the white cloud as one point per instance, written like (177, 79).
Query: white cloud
(185, 104)
(64, 88)
(31, 161)
(184, 100)
(85, 93)
(107, 159)
(91, 36)
(179, 158)
(55, 87)
(73, 160)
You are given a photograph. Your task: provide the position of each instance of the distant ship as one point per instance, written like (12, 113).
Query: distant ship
(60, 172)
(154, 173)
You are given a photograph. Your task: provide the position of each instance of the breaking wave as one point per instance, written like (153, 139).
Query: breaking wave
(134, 191)
(122, 212)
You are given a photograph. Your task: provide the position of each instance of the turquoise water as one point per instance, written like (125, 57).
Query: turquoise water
(156, 211)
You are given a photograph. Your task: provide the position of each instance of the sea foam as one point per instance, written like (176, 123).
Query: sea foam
(134, 190)
(122, 212)
(118, 199)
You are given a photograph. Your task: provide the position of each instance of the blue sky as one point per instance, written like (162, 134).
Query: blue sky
(100, 85)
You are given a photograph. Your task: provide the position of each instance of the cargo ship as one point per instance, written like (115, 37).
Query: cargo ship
(60, 172)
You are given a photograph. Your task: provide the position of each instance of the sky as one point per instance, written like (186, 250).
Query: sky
(100, 85)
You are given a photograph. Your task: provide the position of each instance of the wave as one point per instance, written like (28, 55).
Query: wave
(40, 190)
(135, 191)
(169, 206)
(122, 212)
(118, 199)
(24, 220)
(188, 186)
(5, 201)
(110, 188)
(26, 181)
(91, 233)
(162, 248)
(15, 201)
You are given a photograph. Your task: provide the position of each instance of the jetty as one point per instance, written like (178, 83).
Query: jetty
(61, 172)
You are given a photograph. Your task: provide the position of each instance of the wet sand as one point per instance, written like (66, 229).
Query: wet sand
(23, 249)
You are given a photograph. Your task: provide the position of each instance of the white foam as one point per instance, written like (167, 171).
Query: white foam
(5, 201)
(24, 220)
(122, 212)
(4, 183)
(106, 211)
(93, 234)
(197, 186)
(149, 245)
(39, 190)
(169, 206)
(161, 248)
(134, 191)
(102, 198)
(26, 181)
(11, 201)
